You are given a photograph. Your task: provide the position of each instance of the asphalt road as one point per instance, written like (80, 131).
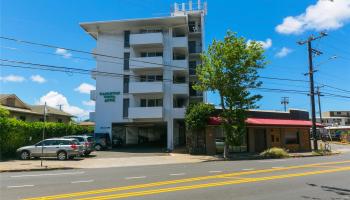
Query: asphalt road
(297, 178)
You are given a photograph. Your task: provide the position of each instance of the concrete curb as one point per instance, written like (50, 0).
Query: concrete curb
(37, 169)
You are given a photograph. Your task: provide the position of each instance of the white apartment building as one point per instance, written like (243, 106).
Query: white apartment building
(335, 118)
(150, 70)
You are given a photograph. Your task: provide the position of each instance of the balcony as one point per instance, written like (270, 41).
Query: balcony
(146, 63)
(179, 42)
(179, 113)
(179, 65)
(180, 88)
(93, 95)
(145, 87)
(146, 112)
(146, 39)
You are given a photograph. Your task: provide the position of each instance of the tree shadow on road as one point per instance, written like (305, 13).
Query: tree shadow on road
(342, 193)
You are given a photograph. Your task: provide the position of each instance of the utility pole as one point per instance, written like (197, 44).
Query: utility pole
(43, 137)
(319, 102)
(311, 52)
(285, 102)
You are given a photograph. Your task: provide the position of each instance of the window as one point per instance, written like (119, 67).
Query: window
(143, 102)
(151, 103)
(151, 54)
(273, 138)
(292, 137)
(126, 38)
(126, 107)
(126, 83)
(179, 79)
(143, 78)
(126, 60)
(192, 67)
(159, 78)
(159, 102)
(22, 118)
(59, 120)
(151, 78)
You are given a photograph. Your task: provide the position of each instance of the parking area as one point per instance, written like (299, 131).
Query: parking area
(130, 151)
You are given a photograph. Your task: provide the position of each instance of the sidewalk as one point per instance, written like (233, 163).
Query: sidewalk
(33, 165)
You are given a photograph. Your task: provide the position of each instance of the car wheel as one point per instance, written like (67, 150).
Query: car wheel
(98, 147)
(87, 153)
(25, 155)
(71, 157)
(61, 155)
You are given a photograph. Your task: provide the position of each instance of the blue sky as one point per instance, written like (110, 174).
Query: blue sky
(57, 23)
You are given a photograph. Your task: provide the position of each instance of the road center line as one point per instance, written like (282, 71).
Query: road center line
(248, 169)
(19, 186)
(177, 181)
(277, 167)
(83, 181)
(178, 174)
(213, 184)
(57, 174)
(135, 177)
(215, 171)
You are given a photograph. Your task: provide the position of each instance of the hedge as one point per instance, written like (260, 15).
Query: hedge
(16, 133)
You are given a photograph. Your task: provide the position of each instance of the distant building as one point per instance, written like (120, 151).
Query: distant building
(335, 118)
(22, 111)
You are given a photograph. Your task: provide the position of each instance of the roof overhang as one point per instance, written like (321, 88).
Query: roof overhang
(252, 122)
(93, 28)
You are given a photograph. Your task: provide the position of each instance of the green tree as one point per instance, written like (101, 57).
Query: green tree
(196, 119)
(4, 112)
(230, 68)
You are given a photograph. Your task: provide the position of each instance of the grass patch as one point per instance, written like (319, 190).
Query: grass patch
(274, 152)
(322, 152)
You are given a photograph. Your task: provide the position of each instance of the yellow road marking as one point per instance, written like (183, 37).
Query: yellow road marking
(186, 180)
(215, 184)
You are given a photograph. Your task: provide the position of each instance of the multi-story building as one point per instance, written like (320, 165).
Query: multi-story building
(336, 118)
(149, 73)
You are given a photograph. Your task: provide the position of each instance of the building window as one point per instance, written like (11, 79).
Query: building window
(151, 102)
(59, 120)
(22, 118)
(192, 67)
(126, 38)
(151, 78)
(291, 137)
(151, 54)
(126, 60)
(126, 105)
(126, 83)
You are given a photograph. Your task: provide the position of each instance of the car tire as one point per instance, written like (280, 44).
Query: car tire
(25, 155)
(71, 157)
(98, 147)
(61, 155)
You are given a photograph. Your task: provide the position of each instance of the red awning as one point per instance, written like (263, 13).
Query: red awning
(268, 122)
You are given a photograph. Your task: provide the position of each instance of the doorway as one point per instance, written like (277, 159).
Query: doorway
(260, 139)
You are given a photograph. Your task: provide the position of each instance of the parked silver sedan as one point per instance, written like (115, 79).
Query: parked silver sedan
(62, 148)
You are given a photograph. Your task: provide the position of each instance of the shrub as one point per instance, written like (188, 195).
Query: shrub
(16, 133)
(274, 152)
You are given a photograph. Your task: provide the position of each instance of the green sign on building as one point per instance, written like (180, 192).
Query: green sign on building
(109, 96)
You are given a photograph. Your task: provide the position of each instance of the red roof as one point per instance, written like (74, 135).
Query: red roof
(268, 122)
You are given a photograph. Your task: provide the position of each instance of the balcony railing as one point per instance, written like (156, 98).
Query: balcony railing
(179, 113)
(145, 112)
(145, 87)
(180, 88)
(195, 49)
(146, 63)
(179, 42)
(146, 39)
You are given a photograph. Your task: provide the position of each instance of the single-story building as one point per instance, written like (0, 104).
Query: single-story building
(265, 129)
(32, 113)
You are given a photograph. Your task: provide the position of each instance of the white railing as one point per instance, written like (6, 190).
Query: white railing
(145, 112)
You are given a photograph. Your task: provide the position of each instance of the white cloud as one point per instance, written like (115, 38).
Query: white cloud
(54, 98)
(265, 44)
(89, 103)
(283, 52)
(12, 78)
(85, 88)
(37, 78)
(64, 53)
(324, 15)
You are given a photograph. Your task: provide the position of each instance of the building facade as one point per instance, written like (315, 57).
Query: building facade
(335, 118)
(145, 83)
(32, 113)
